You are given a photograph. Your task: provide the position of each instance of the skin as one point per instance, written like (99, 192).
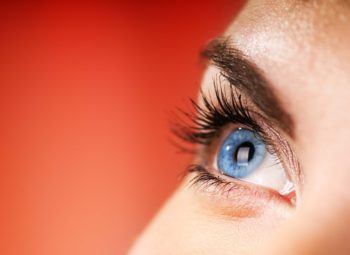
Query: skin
(303, 48)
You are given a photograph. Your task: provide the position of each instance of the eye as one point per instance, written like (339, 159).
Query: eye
(243, 155)
(253, 159)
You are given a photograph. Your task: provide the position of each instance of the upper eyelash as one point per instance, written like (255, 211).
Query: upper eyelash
(205, 123)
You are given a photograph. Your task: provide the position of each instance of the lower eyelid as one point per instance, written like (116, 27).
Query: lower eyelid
(236, 199)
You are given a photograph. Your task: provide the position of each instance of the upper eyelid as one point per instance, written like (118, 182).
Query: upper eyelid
(248, 78)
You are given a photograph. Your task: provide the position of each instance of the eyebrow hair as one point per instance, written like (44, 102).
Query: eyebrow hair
(248, 78)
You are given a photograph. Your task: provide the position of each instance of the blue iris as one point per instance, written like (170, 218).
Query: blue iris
(241, 153)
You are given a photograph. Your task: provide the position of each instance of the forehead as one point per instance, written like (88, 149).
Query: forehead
(303, 48)
(276, 25)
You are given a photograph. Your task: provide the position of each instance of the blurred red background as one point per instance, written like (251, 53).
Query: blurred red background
(85, 157)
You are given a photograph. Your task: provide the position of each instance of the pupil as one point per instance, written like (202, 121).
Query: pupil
(249, 146)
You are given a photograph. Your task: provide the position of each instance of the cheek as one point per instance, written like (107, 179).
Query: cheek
(190, 224)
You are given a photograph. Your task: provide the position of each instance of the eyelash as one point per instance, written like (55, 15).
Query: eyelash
(207, 120)
(205, 123)
(203, 178)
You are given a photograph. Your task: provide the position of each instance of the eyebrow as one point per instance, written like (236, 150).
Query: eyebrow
(248, 78)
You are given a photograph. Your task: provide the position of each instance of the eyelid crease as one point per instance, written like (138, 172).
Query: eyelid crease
(249, 79)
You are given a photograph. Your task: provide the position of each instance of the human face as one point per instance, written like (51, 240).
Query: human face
(288, 64)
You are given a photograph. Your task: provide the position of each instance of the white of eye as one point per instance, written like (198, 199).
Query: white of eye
(270, 174)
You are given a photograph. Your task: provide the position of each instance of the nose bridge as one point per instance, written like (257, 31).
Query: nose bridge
(326, 161)
(325, 208)
(321, 224)
(326, 194)
(315, 231)
(323, 141)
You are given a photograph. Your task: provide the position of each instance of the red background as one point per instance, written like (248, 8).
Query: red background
(84, 90)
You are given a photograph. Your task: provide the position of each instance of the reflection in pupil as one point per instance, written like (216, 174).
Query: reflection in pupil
(244, 153)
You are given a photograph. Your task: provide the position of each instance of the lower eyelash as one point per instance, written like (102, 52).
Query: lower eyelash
(241, 199)
(203, 176)
(236, 192)
(204, 179)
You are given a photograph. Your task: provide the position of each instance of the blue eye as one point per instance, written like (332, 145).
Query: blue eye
(241, 153)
